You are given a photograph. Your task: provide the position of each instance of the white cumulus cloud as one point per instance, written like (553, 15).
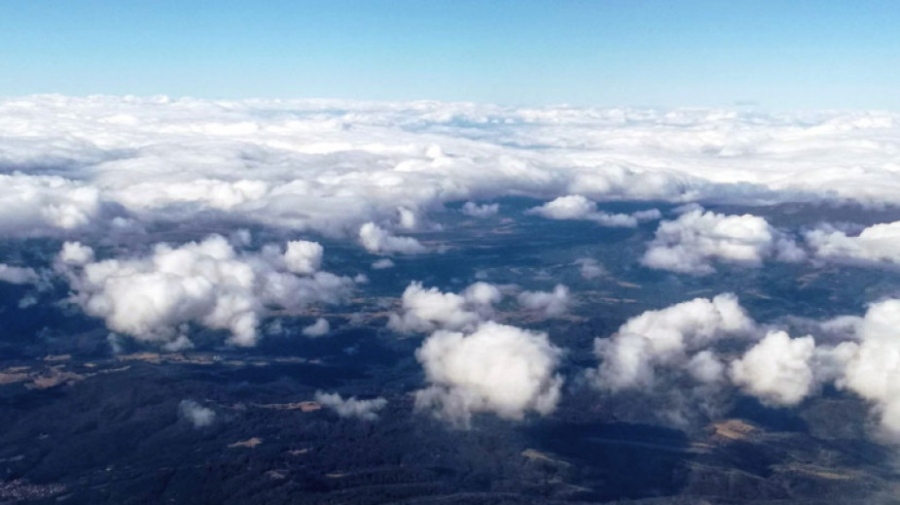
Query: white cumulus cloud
(377, 240)
(303, 257)
(691, 243)
(577, 207)
(426, 309)
(366, 410)
(877, 245)
(486, 210)
(496, 368)
(198, 415)
(873, 366)
(39, 205)
(208, 283)
(778, 369)
(17, 275)
(669, 338)
(552, 303)
(318, 329)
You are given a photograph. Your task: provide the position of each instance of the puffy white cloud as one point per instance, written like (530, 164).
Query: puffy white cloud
(647, 215)
(863, 358)
(75, 254)
(486, 210)
(577, 207)
(496, 368)
(408, 218)
(566, 207)
(707, 368)
(366, 410)
(667, 338)
(590, 268)
(197, 414)
(877, 245)
(482, 295)
(318, 329)
(873, 367)
(692, 242)
(207, 283)
(17, 275)
(38, 204)
(380, 241)
(552, 303)
(778, 369)
(424, 310)
(382, 264)
(303, 257)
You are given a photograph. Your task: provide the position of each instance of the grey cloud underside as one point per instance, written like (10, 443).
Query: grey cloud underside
(72, 163)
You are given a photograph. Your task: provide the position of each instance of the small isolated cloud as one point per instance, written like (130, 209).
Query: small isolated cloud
(691, 243)
(303, 257)
(669, 338)
(407, 218)
(366, 410)
(318, 329)
(590, 268)
(425, 310)
(382, 264)
(75, 254)
(197, 414)
(579, 208)
(486, 210)
(496, 369)
(17, 275)
(777, 370)
(154, 298)
(877, 245)
(552, 303)
(377, 240)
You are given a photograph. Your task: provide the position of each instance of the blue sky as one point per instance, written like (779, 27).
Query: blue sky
(780, 54)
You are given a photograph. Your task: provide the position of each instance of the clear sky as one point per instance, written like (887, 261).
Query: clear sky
(780, 54)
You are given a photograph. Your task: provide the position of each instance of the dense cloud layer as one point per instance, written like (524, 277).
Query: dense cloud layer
(333, 166)
(496, 368)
